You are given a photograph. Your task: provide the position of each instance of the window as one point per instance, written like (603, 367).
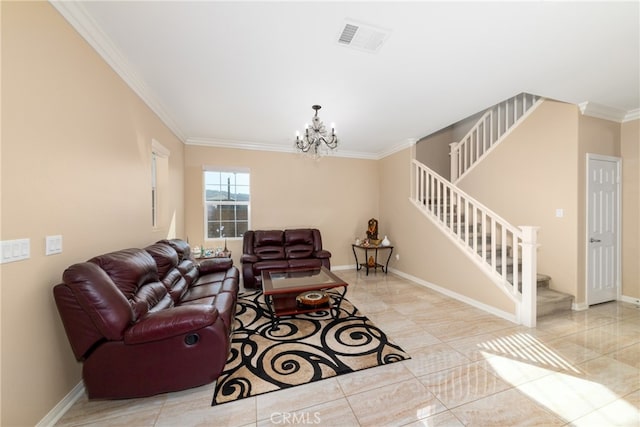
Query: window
(159, 182)
(226, 203)
(154, 190)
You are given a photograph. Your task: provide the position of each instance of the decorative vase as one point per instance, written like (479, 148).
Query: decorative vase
(385, 241)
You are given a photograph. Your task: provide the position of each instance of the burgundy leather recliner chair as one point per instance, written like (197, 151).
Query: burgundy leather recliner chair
(148, 321)
(280, 249)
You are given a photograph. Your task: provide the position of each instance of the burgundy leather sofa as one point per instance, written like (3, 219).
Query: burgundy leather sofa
(148, 321)
(280, 249)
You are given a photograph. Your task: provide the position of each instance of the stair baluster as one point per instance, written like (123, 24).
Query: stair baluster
(502, 117)
(477, 230)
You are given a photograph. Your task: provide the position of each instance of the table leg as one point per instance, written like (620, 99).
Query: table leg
(355, 255)
(386, 268)
(339, 297)
(366, 259)
(268, 299)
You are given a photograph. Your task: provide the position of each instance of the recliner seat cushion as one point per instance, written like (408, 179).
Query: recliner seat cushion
(269, 252)
(305, 263)
(299, 251)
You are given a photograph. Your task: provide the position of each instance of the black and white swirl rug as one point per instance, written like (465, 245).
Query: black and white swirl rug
(305, 348)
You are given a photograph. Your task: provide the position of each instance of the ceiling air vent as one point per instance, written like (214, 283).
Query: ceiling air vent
(362, 37)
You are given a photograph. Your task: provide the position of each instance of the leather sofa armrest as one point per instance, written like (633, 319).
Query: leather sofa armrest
(171, 322)
(322, 254)
(246, 258)
(213, 265)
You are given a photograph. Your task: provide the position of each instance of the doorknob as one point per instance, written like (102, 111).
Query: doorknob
(592, 240)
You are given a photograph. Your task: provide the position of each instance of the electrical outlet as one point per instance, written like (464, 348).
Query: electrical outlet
(397, 257)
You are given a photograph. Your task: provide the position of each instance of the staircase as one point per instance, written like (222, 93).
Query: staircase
(494, 125)
(504, 252)
(549, 301)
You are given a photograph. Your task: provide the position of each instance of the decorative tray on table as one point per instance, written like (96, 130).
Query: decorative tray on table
(312, 299)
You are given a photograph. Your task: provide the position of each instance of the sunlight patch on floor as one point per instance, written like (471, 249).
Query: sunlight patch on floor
(567, 394)
(529, 349)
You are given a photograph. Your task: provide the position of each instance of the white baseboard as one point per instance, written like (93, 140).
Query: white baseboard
(630, 300)
(579, 306)
(623, 298)
(343, 267)
(489, 309)
(62, 407)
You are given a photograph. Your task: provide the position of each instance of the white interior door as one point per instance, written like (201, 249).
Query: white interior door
(603, 227)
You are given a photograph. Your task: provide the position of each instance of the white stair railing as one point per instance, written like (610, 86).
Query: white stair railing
(490, 129)
(506, 253)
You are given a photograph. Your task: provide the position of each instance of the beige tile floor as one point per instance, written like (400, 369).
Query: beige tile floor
(467, 368)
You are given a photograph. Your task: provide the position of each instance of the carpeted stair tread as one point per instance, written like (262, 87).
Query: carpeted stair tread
(550, 301)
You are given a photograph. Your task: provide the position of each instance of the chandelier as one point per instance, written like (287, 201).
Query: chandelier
(315, 136)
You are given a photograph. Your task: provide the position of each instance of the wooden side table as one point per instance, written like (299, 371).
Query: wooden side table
(376, 264)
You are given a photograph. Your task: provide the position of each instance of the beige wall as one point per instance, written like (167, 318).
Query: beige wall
(433, 151)
(630, 152)
(530, 175)
(75, 161)
(425, 252)
(336, 195)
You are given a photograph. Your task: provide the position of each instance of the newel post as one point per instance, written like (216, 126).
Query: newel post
(528, 311)
(454, 154)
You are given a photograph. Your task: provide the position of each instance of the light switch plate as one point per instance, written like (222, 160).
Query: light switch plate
(15, 250)
(53, 245)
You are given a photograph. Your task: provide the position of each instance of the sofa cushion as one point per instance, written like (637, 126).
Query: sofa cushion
(173, 322)
(300, 236)
(208, 290)
(129, 269)
(181, 247)
(189, 270)
(135, 273)
(299, 251)
(166, 259)
(269, 252)
(92, 289)
(305, 263)
(224, 302)
(278, 264)
(267, 238)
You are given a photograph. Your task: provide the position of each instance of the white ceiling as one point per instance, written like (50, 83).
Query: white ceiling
(245, 74)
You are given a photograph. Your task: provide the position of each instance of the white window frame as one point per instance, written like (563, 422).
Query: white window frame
(206, 203)
(157, 151)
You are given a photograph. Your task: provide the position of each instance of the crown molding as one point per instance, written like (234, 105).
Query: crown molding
(261, 146)
(632, 115)
(77, 16)
(407, 143)
(602, 111)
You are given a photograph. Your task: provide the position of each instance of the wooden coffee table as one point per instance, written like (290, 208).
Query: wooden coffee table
(296, 291)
